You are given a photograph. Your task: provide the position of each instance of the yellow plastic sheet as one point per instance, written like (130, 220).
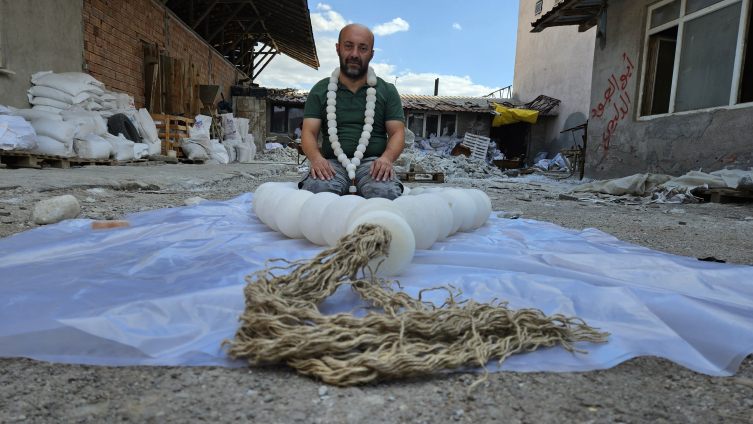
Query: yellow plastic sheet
(510, 116)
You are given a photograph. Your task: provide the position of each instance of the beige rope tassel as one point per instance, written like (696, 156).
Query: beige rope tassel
(402, 337)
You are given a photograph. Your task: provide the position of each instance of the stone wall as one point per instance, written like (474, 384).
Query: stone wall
(709, 140)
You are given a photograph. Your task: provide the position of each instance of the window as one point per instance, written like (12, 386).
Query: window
(416, 124)
(285, 119)
(432, 125)
(448, 126)
(539, 6)
(696, 56)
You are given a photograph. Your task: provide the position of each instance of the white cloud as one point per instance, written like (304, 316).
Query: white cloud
(328, 21)
(391, 27)
(322, 6)
(286, 72)
(457, 26)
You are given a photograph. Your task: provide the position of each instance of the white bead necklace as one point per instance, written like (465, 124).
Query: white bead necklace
(351, 164)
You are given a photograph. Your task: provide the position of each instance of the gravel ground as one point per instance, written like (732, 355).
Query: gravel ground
(640, 390)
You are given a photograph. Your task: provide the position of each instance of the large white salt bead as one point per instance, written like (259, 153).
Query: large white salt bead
(433, 190)
(422, 219)
(416, 191)
(406, 191)
(402, 247)
(443, 211)
(468, 206)
(457, 211)
(256, 199)
(289, 208)
(263, 192)
(335, 217)
(373, 205)
(310, 216)
(484, 206)
(269, 209)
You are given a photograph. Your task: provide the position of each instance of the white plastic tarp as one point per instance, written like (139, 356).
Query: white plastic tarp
(169, 289)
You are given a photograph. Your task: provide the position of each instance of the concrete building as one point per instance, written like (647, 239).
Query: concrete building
(672, 89)
(557, 63)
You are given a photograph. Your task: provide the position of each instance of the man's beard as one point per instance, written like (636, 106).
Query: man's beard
(353, 73)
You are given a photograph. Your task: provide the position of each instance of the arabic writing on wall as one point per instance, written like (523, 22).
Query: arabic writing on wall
(616, 88)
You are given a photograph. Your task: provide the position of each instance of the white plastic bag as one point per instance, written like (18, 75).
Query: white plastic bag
(99, 127)
(32, 114)
(147, 128)
(16, 133)
(125, 101)
(242, 126)
(54, 94)
(73, 76)
(122, 146)
(49, 146)
(62, 131)
(244, 153)
(91, 147)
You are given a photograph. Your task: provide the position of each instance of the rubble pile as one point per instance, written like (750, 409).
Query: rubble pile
(452, 166)
(282, 154)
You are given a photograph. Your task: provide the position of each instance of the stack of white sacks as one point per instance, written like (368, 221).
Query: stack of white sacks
(69, 118)
(417, 219)
(237, 146)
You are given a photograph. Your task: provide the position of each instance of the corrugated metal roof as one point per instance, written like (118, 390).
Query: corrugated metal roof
(452, 103)
(570, 12)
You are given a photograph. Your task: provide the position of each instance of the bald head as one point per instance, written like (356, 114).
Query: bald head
(357, 34)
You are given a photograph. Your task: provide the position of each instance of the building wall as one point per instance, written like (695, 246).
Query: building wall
(37, 35)
(114, 34)
(708, 140)
(557, 62)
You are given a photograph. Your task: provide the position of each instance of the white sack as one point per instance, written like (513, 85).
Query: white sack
(5, 111)
(91, 147)
(193, 150)
(146, 126)
(230, 150)
(61, 131)
(54, 94)
(16, 133)
(73, 76)
(635, 185)
(219, 153)
(99, 127)
(122, 146)
(202, 123)
(229, 126)
(125, 101)
(244, 153)
(48, 109)
(63, 83)
(242, 126)
(140, 150)
(32, 114)
(49, 146)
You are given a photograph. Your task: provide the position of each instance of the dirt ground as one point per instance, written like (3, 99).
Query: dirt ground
(641, 390)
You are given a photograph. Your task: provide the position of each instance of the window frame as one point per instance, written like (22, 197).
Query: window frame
(286, 122)
(538, 8)
(745, 21)
(426, 113)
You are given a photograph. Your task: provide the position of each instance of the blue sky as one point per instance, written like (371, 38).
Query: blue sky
(470, 46)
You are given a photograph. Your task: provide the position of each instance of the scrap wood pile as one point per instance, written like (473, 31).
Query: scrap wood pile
(409, 337)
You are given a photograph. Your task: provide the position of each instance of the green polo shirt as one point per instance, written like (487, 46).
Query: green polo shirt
(350, 115)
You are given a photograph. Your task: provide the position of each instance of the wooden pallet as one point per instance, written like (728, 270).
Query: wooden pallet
(171, 129)
(191, 161)
(91, 162)
(410, 177)
(724, 195)
(16, 159)
(478, 145)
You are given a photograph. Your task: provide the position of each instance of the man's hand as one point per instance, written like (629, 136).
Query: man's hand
(381, 169)
(322, 169)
